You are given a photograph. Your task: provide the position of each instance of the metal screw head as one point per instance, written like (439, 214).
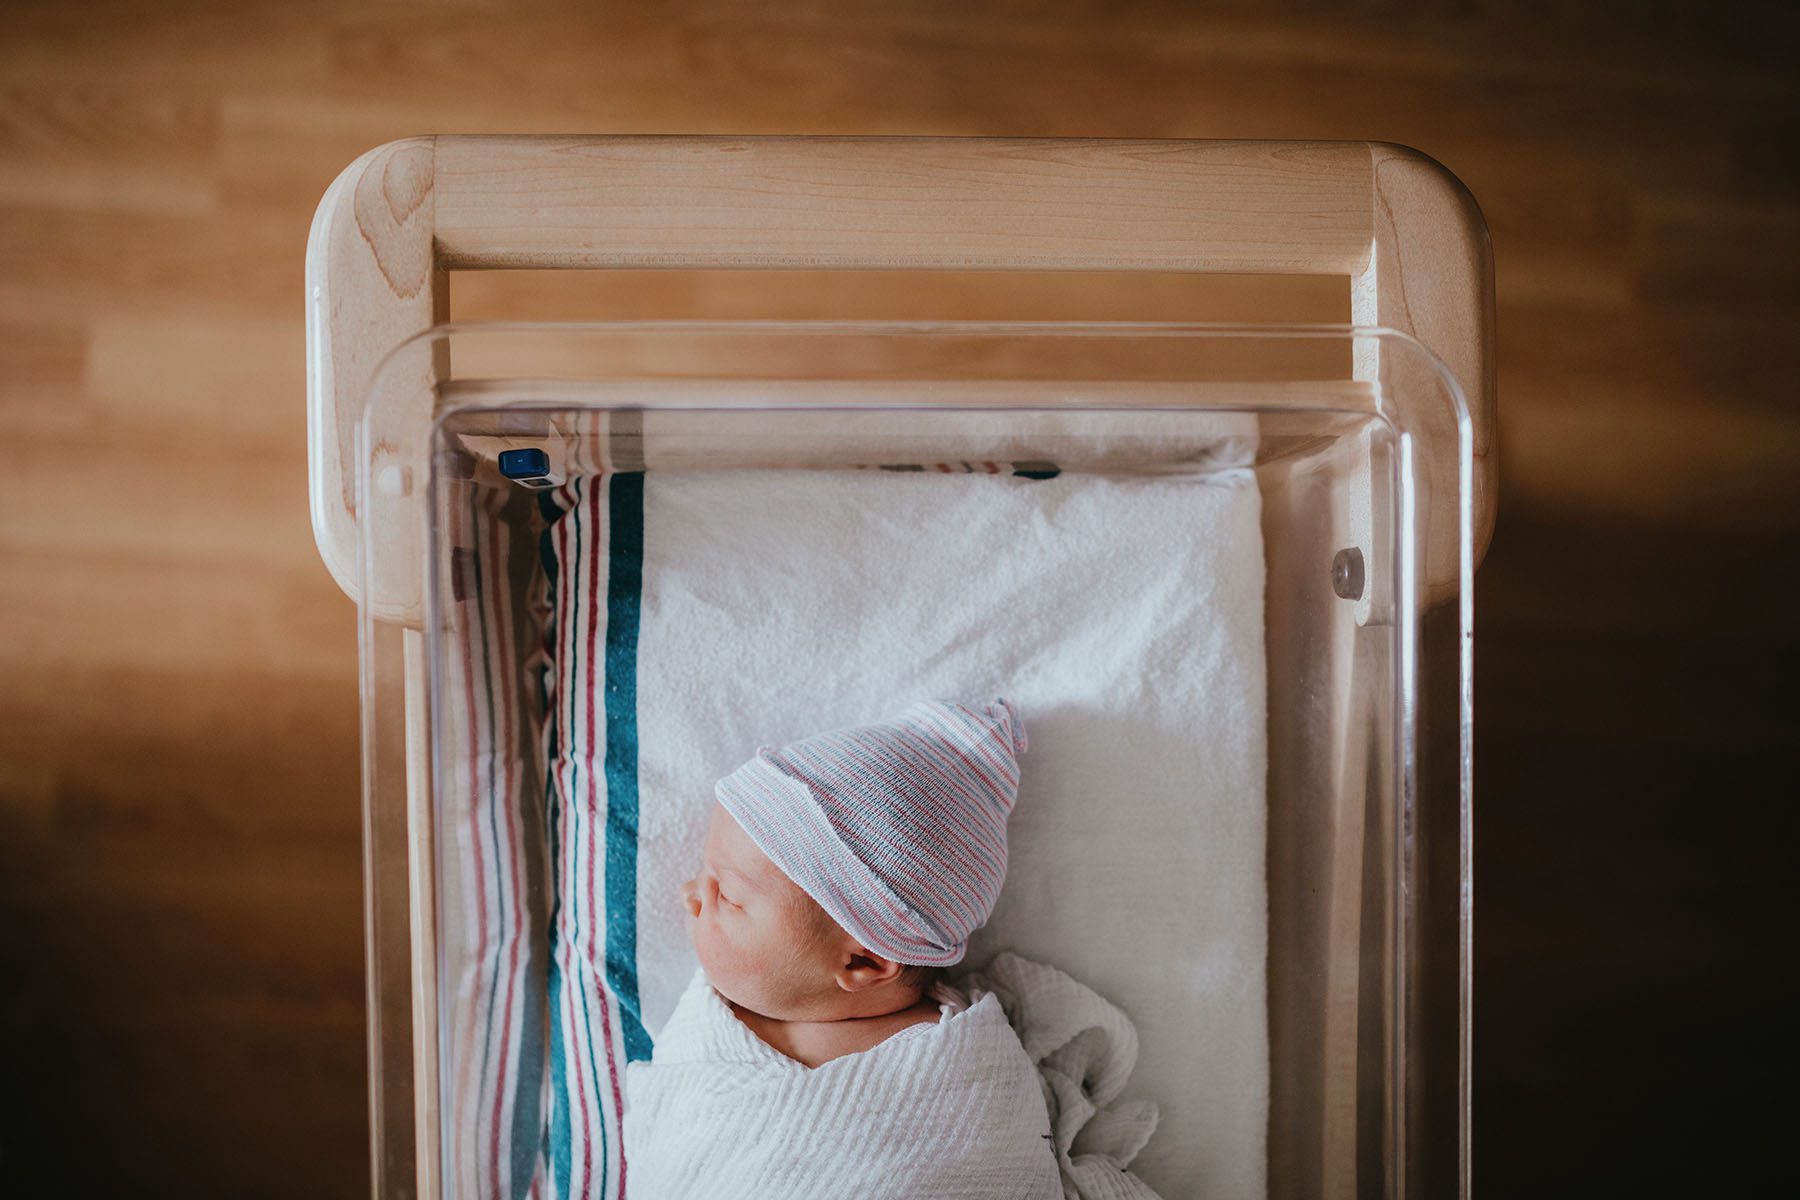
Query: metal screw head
(1347, 574)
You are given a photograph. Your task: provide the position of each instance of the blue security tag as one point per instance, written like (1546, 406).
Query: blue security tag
(529, 467)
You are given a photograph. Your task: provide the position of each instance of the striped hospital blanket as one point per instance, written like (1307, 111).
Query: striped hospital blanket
(674, 620)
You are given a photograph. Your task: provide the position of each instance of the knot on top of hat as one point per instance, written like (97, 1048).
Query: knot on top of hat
(897, 828)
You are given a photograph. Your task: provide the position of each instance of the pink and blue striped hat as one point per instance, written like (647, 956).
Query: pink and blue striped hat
(897, 828)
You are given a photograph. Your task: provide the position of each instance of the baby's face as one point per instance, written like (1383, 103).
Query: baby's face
(764, 943)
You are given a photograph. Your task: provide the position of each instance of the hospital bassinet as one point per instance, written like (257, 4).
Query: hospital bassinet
(1372, 458)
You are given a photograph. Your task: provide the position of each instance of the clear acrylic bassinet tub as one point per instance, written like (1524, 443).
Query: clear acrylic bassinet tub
(1372, 462)
(1367, 654)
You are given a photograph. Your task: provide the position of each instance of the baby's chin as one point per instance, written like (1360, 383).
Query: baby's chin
(745, 996)
(761, 994)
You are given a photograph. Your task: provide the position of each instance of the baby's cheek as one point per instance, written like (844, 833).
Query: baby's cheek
(722, 955)
(795, 951)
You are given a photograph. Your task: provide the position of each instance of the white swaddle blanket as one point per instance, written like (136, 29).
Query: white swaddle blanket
(946, 1109)
(965, 1109)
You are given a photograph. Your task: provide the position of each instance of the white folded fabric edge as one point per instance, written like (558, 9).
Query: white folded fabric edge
(1143, 440)
(1084, 1048)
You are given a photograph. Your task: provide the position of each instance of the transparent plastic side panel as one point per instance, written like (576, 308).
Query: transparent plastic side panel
(387, 900)
(1362, 463)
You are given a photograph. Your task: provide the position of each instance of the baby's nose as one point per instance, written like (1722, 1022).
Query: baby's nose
(690, 896)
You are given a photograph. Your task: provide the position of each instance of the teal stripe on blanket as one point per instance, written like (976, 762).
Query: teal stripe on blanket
(624, 601)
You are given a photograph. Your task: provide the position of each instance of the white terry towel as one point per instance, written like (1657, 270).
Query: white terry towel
(951, 1109)
(1122, 613)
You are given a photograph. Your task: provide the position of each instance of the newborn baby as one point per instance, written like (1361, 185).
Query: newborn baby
(818, 1050)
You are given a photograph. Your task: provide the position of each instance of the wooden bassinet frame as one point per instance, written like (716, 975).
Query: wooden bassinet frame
(1402, 229)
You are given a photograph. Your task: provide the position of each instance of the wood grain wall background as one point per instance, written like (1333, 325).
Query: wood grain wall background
(180, 962)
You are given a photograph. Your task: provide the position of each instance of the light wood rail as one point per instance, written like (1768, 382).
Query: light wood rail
(405, 214)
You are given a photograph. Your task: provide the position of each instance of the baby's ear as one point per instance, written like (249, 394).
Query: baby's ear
(863, 968)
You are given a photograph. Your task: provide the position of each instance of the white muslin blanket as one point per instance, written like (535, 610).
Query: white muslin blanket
(1012, 1095)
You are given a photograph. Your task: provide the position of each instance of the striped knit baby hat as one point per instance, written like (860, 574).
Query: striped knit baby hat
(897, 828)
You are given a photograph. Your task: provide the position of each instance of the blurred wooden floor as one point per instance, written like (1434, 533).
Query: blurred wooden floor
(181, 995)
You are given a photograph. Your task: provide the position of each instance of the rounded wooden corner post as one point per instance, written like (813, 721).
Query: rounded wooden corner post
(1431, 275)
(372, 282)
